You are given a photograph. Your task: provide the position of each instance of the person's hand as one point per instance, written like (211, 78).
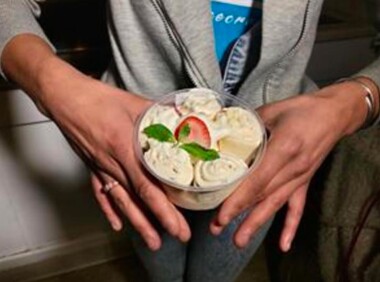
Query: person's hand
(303, 130)
(98, 121)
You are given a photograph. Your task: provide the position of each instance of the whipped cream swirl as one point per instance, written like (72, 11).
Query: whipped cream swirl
(200, 101)
(221, 171)
(165, 115)
(240, 122)
(170, 162)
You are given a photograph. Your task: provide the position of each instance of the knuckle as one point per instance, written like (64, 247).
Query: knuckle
(291, 147)
(112, 137)
(122, 203)
(264, 112)
(260, 196)
(239, 207)
(103, 161)
(302, 165)
(144, 192)
(117, 144)
(255, 189)
(276, 202)
(230, 211)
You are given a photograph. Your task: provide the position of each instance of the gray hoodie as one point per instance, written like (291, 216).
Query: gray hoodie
(163, 45)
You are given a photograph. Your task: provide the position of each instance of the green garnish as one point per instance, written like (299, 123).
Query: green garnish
(199, 152)
(159, 132)
(184, 132)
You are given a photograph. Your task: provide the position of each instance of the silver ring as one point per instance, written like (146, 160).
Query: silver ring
(109, 186)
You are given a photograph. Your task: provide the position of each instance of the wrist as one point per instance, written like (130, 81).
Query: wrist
(347, 100)
(369, 91)
(56, 82)
(374, 91)
(32, 64)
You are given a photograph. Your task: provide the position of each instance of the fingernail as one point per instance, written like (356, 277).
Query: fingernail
(153, 244)
(184, 236)
(216, 229)
(116, 225)
(173, 229)
(288, 244)
(243, 239)
(224, 220)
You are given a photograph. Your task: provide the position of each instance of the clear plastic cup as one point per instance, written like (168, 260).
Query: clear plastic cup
(191, 196)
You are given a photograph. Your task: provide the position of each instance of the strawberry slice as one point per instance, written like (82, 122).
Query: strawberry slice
(193, 129)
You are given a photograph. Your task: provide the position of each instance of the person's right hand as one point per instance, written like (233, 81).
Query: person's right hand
(98, 120)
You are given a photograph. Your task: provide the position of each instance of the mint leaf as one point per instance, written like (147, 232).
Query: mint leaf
(159, 132)
(200, 152)
(184, 132)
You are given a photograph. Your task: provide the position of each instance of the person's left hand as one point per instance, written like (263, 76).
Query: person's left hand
(303, 130)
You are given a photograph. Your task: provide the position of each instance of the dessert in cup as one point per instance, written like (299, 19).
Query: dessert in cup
(200, 145)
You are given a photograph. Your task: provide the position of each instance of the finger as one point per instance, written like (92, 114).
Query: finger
(215, 227)
(185, 232)
(280, 153)
(154, 198)
(136, 217)
(299, 166)
(105, 204)
(264, 211)
(296, 206)
(270, 112)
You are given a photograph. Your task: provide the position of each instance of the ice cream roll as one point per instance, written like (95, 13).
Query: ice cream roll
(169, 162)
(199, 101)
(243, 133)
(221, 171)
(158, 114)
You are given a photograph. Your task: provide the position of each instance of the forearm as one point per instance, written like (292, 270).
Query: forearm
(31, 63)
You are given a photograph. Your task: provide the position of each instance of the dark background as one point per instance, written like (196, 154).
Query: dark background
(77, 28)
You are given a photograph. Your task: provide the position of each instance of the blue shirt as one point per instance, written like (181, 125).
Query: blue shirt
(231, 19)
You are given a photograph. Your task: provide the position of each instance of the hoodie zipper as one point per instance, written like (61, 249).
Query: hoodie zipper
(191, 69)
(291, 52)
